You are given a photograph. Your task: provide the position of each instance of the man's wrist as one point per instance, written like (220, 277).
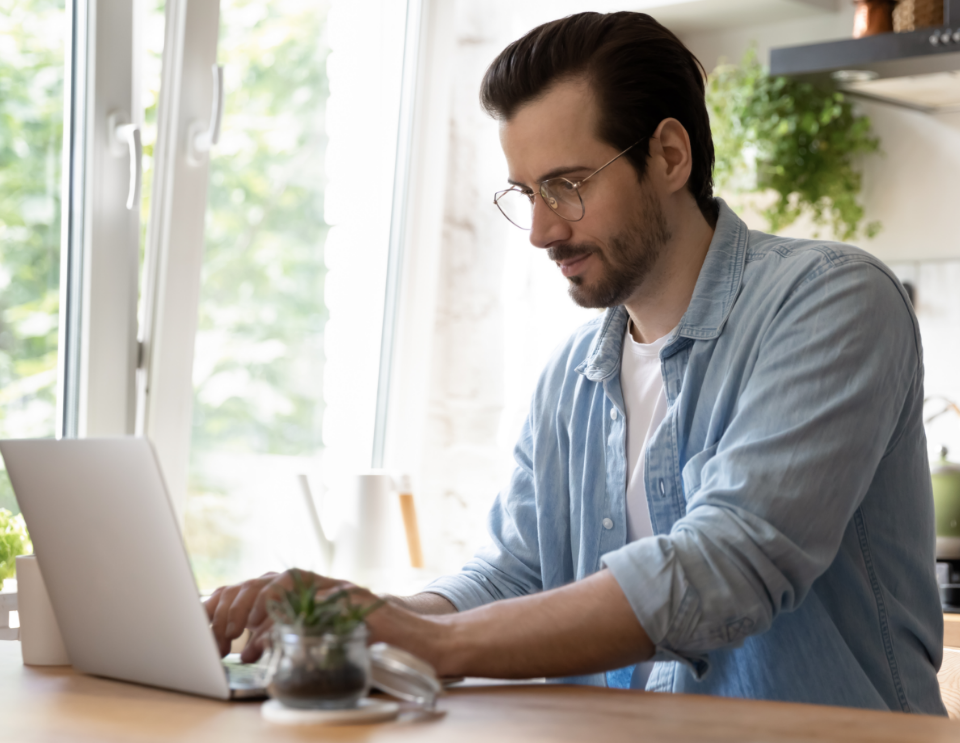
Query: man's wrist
(428, 636)
(425, 603)
(443, 647)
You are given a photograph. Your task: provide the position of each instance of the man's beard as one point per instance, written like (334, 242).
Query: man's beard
(629, 258)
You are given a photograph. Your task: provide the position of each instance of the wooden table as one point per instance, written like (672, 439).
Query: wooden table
(57, 704)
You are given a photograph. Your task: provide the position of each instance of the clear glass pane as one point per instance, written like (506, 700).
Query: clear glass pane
(258, 365)
(297, 230)
(32, 35)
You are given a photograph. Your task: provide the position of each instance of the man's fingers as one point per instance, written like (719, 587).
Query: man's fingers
(221, 615)
(223, 646)
(273, 591)
(211, 603)
(238, 613)
(282, 582)
(270, 592)
(232, 609)
(256, 644)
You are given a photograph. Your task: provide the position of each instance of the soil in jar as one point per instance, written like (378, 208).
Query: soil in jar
(339, 685)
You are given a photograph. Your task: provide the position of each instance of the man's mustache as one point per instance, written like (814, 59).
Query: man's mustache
(564, 252)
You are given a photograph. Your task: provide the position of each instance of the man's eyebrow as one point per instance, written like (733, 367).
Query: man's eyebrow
(553, 174)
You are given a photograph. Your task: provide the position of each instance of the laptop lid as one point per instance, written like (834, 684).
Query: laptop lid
(109, 547)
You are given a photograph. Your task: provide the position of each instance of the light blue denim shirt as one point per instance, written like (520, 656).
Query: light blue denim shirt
(788, 486)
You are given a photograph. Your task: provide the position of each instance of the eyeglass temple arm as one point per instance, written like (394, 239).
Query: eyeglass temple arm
(615, 158)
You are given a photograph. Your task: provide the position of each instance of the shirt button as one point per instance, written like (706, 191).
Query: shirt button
(608, 524)
(613, 414)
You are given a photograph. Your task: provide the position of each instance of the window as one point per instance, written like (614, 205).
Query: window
(280, 250)
(195, 226)
(32, 36)
(258, 354)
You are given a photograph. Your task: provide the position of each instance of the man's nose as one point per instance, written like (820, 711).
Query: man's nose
(548, 226)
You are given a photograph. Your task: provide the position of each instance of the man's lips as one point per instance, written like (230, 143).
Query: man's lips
(571, 266)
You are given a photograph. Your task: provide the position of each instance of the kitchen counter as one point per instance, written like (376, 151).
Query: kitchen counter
(58, 704)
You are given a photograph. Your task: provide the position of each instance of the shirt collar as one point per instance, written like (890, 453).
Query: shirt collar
(713, 297)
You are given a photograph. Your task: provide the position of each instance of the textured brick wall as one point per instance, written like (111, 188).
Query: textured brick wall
(502, 308)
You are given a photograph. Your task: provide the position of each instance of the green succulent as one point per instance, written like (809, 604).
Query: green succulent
(14, 541)
(798, 139)
(336, 614)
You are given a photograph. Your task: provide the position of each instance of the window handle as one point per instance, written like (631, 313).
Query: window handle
(125, 140)
(200, 137)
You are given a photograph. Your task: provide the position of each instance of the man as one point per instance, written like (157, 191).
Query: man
(726, 473)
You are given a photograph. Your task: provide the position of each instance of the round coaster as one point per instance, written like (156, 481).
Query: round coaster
(367, 710)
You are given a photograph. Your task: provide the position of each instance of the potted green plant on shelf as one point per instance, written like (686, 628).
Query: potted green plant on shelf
(14, 541)
(319, 648)
(795, 139)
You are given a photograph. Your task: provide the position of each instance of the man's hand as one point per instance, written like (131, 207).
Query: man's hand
(232, 609)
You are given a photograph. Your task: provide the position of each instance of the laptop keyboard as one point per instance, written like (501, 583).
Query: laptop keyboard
(244, 675)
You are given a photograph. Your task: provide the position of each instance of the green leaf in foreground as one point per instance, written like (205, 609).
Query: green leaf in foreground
(299, 607)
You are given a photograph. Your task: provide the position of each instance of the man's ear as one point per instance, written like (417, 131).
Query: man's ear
(671, 155)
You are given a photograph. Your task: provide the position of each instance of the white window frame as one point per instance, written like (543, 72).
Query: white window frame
(100, 234)
(175, 240)
(402, 424)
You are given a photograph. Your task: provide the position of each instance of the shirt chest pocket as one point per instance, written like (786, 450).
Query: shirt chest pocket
(693, 468)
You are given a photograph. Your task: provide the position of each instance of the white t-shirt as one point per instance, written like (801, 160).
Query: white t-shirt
(641, 382)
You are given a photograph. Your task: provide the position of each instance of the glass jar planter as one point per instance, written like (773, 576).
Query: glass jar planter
(318, 671)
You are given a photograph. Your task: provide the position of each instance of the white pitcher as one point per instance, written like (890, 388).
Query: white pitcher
(370, 539)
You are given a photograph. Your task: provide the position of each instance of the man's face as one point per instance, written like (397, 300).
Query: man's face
(606, 255)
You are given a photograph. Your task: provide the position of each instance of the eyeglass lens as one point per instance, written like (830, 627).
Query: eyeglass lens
(558, 193)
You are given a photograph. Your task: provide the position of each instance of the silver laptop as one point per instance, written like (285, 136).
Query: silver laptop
(119, 580)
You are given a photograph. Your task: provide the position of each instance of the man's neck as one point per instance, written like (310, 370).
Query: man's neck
(658, 304)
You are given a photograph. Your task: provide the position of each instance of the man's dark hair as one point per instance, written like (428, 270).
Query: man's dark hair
(640, 72)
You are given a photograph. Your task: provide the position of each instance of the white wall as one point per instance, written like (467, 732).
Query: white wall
(938, 311)
(910, 188)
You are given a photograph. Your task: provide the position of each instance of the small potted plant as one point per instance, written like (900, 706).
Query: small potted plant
(319, 648)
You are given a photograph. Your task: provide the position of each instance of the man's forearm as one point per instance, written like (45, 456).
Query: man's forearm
(427, 604)
(585, 627)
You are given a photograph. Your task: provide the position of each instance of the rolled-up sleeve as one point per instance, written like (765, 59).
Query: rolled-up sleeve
(836, 371)
(509, 565)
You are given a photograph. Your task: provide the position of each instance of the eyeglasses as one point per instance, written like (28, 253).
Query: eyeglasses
(560, 194)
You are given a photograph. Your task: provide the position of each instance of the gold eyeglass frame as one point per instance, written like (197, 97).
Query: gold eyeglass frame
(547, 198)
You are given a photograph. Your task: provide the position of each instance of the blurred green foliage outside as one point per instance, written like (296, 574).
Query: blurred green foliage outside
(14, 541)
(31, 132)
(258, 366)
